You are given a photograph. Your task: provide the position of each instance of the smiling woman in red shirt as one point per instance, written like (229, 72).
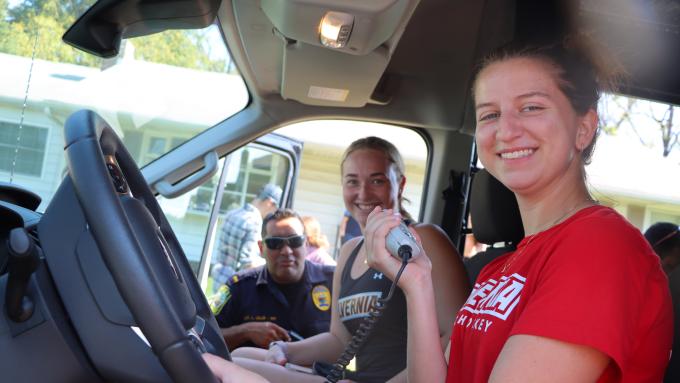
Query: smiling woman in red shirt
(583, 298)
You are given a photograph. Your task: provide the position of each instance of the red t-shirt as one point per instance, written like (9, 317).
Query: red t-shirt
(592, 280)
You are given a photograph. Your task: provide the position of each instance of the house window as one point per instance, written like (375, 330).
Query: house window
(30, 151)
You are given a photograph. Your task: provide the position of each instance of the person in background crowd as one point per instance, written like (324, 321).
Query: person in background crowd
(287, 299)
(241, 233)
(349, 228)
(372, 174)
(317, 242)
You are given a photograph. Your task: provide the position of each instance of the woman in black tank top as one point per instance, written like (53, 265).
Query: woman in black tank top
(372, 176)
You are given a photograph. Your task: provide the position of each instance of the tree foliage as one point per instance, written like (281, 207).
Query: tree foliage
(189, 49)
(670, 129)
(37, 25)
(641, 116)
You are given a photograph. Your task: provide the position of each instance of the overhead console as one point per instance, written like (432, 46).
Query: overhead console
(330, 52)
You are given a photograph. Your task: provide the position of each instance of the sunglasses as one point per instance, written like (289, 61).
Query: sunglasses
(276, 243)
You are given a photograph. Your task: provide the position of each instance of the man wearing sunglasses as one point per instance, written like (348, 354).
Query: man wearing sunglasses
(286, 299)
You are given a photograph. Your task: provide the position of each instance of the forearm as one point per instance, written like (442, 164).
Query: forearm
(425, 358)
(322, 347)
(237, 335)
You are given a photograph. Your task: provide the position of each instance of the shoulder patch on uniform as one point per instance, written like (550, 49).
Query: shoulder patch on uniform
(234, 279)
(321, 297)
(219, 299)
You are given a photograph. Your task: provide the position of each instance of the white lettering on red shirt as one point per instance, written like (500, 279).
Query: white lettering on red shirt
(496, 298)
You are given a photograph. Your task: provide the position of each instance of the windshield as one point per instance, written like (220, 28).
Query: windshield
(160, 90)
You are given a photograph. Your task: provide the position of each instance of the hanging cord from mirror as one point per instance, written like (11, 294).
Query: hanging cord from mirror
(23, 110)
(364, 330)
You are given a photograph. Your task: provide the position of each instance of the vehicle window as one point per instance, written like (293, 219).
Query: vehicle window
(636, 163)
(157, 93)
(318, 192)
(196, 221)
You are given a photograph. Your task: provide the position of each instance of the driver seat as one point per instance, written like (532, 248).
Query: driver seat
(495, 219)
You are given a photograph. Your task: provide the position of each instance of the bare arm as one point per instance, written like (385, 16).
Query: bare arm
(528, 358)
(425, 359)
(228, 372)
(449, 279)
(260, 333)
(429, 324)
(327, 346)
(432, 301)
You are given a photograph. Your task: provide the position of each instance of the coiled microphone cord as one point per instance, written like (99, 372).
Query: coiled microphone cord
(365, 328)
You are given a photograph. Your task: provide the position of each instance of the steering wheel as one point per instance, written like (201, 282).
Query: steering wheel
(140, 250)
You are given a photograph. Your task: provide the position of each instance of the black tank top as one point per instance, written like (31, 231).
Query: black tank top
(384, 353)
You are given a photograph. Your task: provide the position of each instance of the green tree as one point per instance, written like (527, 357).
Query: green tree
(185, 48)
(4, 5)
(670, 131)
(629, 112)
(63, 12)
(37, 25)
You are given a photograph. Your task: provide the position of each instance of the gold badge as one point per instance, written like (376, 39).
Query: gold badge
(219, 299)
(321, 297)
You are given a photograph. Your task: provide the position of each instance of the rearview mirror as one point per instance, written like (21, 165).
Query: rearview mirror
(100, 30)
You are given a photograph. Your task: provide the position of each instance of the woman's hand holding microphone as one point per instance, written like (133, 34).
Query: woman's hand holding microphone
(379, 224)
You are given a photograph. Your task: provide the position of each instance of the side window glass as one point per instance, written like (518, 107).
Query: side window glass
(157, 93)
(253, 168)
(637, 159)
(199, 216)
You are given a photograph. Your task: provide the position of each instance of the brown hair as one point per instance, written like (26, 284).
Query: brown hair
(278, 215)
(392, 154)
(580, 74)
(314, 235)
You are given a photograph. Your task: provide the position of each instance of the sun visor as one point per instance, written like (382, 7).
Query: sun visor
(336, 51)
(334, 79)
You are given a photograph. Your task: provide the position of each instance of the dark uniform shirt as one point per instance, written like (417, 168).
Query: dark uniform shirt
(303, 308)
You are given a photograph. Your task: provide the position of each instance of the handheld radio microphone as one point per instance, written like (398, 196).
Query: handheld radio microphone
(401, 243)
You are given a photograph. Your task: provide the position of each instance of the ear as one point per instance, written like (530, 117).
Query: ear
(260, 245)
(586, 129)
